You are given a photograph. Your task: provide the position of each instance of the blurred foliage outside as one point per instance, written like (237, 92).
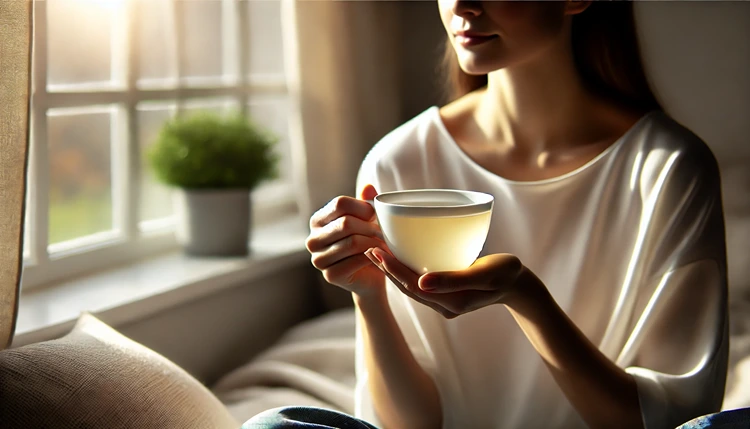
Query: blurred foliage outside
(80, 188)
(78, 217)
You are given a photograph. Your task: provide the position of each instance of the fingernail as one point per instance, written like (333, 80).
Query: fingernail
(426, 287)
(429, 283)
(371, 257)
(379, 257)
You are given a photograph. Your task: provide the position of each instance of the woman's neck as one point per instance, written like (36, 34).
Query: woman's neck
(536, 106)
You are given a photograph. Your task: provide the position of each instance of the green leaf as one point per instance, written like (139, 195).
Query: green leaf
(208, 151)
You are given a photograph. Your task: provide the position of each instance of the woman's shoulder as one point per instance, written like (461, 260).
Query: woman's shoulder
(430, 127)
(414, 132)
(404, 146)
(662, 137)
(667, 133)
(671, 160)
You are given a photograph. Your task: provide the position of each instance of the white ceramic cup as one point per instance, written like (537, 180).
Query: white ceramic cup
(434, 229)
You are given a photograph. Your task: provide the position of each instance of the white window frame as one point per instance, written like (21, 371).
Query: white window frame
(130, 239)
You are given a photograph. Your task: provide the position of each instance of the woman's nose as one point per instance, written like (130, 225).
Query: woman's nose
(467, 8)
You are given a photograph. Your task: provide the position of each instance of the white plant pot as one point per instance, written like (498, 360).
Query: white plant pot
(213, 222)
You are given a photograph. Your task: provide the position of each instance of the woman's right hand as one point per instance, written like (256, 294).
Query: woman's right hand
(340, 233)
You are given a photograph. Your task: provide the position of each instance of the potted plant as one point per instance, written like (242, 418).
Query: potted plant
(213, 162)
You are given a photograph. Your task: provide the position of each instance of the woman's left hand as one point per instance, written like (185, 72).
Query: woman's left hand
(493, 279)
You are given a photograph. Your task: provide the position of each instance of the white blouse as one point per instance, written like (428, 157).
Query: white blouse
(630, 245)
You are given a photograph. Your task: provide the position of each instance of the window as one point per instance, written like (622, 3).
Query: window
(107, 74)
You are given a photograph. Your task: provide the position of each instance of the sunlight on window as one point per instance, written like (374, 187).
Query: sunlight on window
(155, 42)
(203, 42)
(155, 198)
(116, 70)
(264, 18)
(272, 112)
(80, 191)
(83, 36)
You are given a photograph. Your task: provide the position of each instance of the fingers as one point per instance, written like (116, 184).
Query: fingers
(341, 206)
(398, 270)
(368, 193)
(342, 249)
(342, 273)
(340, 228)
(486, 274)
(458, 292)
(383, 260)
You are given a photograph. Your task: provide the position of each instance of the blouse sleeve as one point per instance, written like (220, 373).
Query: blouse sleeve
(682, 360)
(679, 346)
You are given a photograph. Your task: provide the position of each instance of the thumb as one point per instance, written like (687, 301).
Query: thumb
(487, 273)
(368, 192)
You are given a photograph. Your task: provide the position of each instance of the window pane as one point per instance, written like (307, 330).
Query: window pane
(273, 113)
(201, 20)
(155, 39)
(156, 201)
(266, 54)
(80, 186)
(82, 37)
(218, 105)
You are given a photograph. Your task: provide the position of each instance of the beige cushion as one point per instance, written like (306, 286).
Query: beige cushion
(95, 377)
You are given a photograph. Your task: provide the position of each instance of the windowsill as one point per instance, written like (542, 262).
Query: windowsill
(138, 290)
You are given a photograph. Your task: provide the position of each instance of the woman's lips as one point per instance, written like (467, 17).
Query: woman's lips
(473, 39)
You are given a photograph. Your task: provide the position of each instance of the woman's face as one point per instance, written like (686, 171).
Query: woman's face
(490, 35)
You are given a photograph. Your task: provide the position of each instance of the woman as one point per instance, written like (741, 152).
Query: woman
(600, 298)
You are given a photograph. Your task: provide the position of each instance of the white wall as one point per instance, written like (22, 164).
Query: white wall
(216, 334)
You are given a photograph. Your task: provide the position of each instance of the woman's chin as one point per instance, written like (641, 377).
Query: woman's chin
(477, 69)
(476, 65)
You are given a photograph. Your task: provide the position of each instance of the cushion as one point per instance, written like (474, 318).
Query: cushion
(311, 365)
(94, 377)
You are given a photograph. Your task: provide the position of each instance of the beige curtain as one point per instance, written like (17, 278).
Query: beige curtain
(15, 56)
(343, 68)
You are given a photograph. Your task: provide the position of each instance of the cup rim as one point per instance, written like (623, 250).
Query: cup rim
(483, 202)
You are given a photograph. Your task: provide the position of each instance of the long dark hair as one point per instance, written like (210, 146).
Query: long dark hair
(605, 50)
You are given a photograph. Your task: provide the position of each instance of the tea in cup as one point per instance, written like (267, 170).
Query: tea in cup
(434, 229)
